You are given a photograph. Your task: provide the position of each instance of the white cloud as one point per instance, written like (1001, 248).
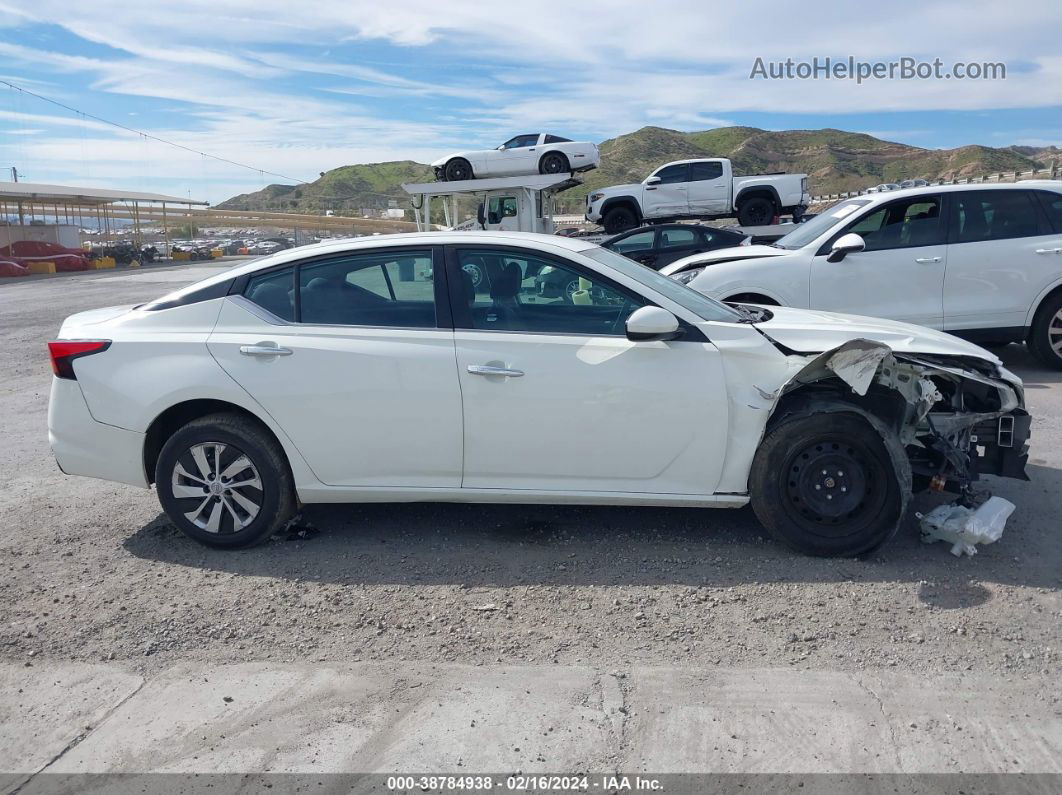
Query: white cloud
(259, 81)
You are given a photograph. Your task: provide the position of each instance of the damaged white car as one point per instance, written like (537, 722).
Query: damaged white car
(374, 370)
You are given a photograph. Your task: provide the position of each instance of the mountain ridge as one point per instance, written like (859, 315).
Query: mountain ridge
(835, 161)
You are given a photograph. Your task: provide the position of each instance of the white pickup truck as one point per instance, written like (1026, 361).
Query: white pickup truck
(705, 188)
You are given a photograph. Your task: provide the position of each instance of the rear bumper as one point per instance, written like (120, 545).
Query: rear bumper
(83, 446)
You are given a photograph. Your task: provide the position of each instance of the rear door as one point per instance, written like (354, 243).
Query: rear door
(1001, 255)
(667, 197)
(709, 190)
(900, 274)
(350, 356)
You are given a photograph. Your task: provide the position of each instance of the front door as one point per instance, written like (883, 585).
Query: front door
(556, 398)
(361, 380)
(668, 197)
(900, 273)
(518, 155)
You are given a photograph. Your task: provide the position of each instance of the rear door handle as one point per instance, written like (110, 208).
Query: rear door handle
(924, 260)
(264, 350)
(487, 369)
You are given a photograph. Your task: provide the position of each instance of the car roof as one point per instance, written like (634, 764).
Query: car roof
(354, 244)
(929, 190)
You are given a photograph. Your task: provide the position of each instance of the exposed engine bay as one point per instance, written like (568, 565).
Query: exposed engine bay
(956, 417)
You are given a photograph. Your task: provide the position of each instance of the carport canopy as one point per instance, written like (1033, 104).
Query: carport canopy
(36, 192)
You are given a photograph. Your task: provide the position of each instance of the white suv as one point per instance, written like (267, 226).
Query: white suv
(984, 263)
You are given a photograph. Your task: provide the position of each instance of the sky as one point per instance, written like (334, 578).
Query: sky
(300, 88)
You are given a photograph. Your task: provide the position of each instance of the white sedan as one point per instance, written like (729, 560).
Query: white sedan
(536, 153)
(373, 370)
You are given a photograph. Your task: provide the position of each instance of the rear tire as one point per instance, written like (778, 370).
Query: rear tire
(619, 219)
(224, 481)
(458, 169)
(824, 485)
(1046, 332)
(554, 163)
(756, 211)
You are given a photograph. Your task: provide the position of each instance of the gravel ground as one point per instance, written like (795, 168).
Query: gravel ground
(93, 571)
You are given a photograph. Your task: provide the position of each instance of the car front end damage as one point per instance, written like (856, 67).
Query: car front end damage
(955, 417)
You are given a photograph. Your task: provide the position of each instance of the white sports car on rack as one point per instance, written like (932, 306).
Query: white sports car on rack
(536, 153)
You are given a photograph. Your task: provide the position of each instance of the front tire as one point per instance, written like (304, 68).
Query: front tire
(824, 484)
(619, 219)
(224, 481)
(1045, 336)
(458, 169)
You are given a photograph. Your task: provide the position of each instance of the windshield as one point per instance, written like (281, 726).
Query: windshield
(691, 300)
(821, 223)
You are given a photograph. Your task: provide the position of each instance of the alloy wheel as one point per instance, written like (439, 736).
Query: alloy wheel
(221, 485)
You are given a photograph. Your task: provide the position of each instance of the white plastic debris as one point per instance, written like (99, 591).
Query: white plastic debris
(964, 527)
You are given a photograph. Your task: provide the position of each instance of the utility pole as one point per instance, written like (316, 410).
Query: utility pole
(14, 174)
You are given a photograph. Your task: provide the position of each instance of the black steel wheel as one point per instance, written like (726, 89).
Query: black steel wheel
(825, 485)
(458, 169)
(554, 163)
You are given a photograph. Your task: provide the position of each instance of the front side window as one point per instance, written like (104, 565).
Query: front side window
(378, 289)
(678, 238)
(520, 141)
(535, 294)
(902, 224)
(993, 215)
(636, 242)
(711, 170)
(501, 207)
(672, 174)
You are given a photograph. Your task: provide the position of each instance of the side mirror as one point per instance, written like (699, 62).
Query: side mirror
(481, 214)
(652, 180)
(845, 245)
(651, 323)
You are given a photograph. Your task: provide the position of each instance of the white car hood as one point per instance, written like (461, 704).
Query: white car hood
(813, 331)
(721, 255)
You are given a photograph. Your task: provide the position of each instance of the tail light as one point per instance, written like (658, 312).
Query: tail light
(63, 353)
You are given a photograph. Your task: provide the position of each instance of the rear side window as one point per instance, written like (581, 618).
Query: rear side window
(994, 215)
(1052, 204)
(706, 171)
(678, 238)
(393, 289)
(556, 139)
(384, 288)
(274, 292)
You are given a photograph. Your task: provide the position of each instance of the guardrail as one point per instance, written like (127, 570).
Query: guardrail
(1055, 172)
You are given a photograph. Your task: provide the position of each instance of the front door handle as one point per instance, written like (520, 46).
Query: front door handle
(1048, 250)
(487, 369)
(924, 260)
(264, 350)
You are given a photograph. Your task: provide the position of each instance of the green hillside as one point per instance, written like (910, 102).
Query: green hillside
(835, 160)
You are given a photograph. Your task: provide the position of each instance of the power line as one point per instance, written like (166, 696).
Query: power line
(150, 136)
